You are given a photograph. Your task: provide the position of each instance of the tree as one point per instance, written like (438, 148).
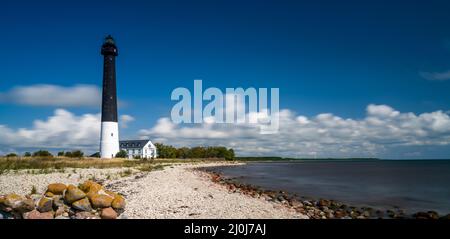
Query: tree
(27, 154)
(42, 153)
(68, 154)
(77, 154)
(183, 152)
(11, 155)
(168, 151)
(61, 153)
(122, 154)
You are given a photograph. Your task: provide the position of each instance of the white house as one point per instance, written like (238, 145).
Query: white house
(139, 148)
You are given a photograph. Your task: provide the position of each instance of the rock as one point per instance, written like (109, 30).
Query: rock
(56, 188)
(379, 213)
(118, 202)
(85, 215)
(60, 211)
(323, 203)
(335, 205)
(11, 200)
(390, 213)
(49, 194)
(101, 201)
(82, 205)
(90, 186)
(17, 203)
(426, 215)
(73, 194)
(58, 201)
(62, 217)
(340, 214)
(45, 204)
(366, 214)
(295, 204)
(108, 213)
(433, 215)
(35, 214)
(35, 197)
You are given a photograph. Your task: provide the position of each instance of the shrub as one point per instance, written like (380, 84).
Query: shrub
(61, 153)
(27, 154)
(42, 153)
(74, 154)
(77, 154)
(10, 155)
(122, 154)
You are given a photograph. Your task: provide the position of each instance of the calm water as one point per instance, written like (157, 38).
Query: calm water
(411, 185)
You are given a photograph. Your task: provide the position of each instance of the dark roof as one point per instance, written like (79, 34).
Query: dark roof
(133, 143)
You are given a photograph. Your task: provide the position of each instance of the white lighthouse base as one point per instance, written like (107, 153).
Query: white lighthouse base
(109, 140)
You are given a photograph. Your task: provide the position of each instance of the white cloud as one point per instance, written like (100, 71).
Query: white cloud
(381, 132)
(61, 130)
(53, 95)
(125, 119)
(436, 76)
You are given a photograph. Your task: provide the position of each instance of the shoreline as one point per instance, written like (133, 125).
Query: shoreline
(191, 190)
(317, 208)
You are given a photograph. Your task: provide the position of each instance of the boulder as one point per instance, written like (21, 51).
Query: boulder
(118, 202)
(14, 202)
(49, 194)
(89, 185)
(73, 194)
(11, 200)
(35, 214)
(56, 188)
(101, 201)
(82, 205)
(58, 201)
(45, 204)
(108, 213)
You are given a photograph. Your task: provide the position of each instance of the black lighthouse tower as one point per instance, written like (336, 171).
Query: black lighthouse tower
(109, 138)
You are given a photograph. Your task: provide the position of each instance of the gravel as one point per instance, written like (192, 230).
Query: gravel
(177, 191)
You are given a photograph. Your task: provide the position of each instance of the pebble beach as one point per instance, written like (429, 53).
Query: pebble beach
(177, 191)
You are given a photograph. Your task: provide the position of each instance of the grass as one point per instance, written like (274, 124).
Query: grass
(151, 167)
(33, 190)
(45, 165)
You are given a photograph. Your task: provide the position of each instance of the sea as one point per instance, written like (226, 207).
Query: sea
(410, 185)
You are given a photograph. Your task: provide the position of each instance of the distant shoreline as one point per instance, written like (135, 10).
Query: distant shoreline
(281, 159)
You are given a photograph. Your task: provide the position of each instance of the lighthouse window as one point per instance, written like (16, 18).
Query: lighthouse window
(112, 134)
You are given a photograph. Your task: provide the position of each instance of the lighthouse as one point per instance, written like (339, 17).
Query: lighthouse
(109, 136)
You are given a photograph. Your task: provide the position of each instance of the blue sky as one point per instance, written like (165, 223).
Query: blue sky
(333, 57)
